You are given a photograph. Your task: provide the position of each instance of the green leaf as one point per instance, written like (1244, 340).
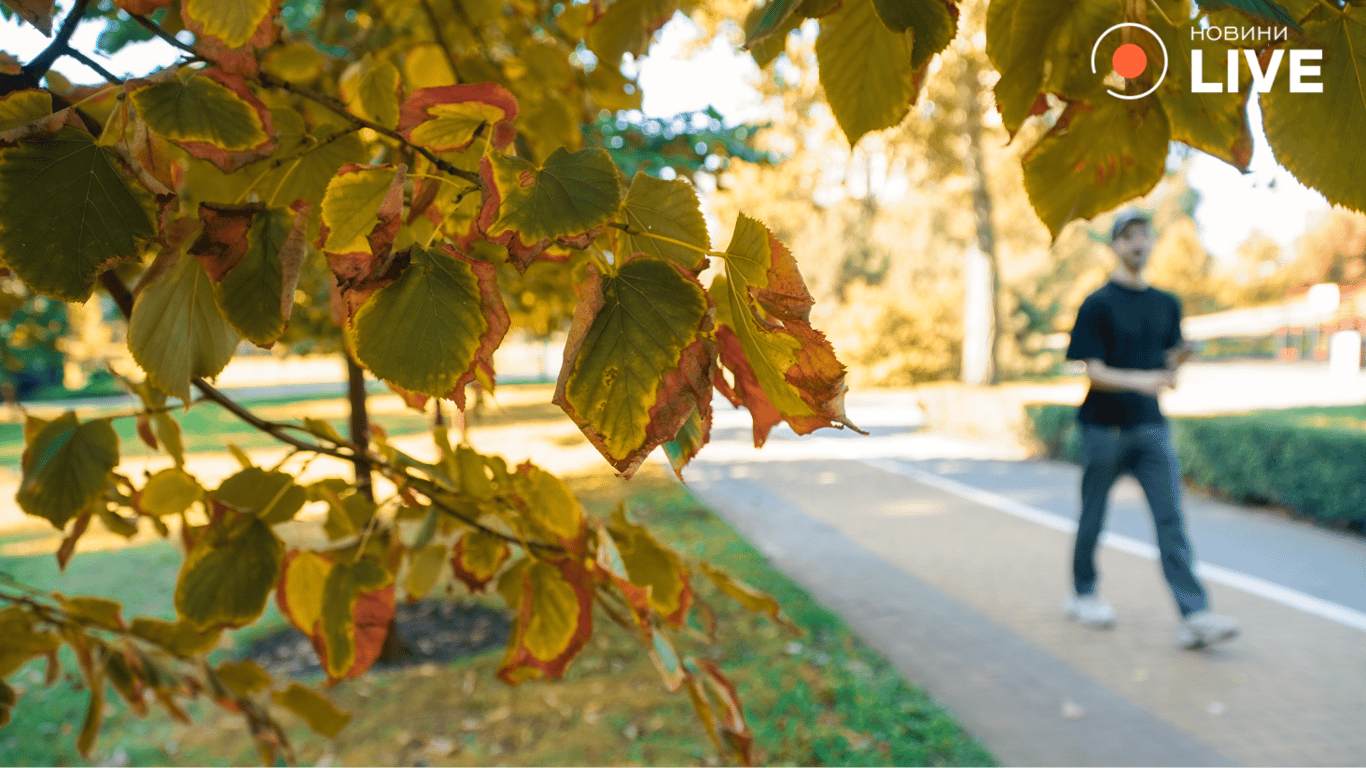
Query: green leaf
(636, 362)
(1017, 43)
(1096, 158)
(67, 213)
(772, 18)
(865, 69)
(177, 332)
(424, 568)
(65, 466)
(1068, 51)
(213, 116)
(323, 429)
(22, 638)
(320, 714)
(358, 602)
(23, 107)
(254, 257)
(1215, 123)
(694, 434)
(232, 21)
(169, 492)
(784, 369)
(179, 638)
(767, 48)
(566, 201)
(1257, 10)
(933, 23)
(272, 496)
(430, 330)
(1325, 154)
(667, 209)
(627, 26)
(229, 573)
(243, 677)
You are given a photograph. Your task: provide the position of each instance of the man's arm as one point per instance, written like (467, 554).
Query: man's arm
(1179, 354)
(1108, 379)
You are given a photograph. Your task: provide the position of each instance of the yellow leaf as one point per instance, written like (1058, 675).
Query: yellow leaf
(23, 107)
(351, 204)
(426, 66)
(301, 589)
(424, 568)
(169, 492)
(314, 708)
(865, 70)
(232, 21)
(296, 62)
(243, 677)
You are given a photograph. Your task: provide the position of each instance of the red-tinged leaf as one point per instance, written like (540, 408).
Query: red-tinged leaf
(701, 702)
(653, 566)
(253, 257)
(68, 547)
(528, 208)
(219, 25)
(125, 675)
(94, 713)
(144, 430)
(784, 369)
(414, 400)
(358, 604)
(450, 118)
(611, 566)
(211, 114)
(637, 363)
(695, 433)
(360, 219)
(734, 729)
(434, 329)
(141, 7)
(36, 12)
(477, 558)
(554, 620)
(665, 659)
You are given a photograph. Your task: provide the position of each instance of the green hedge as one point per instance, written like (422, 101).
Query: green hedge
(1261, 458)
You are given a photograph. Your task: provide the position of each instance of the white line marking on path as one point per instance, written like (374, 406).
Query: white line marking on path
(1217, 573)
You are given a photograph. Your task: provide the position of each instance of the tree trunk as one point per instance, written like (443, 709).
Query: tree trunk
(360, 425)
(981, 312)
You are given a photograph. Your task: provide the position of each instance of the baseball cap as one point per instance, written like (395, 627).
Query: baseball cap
(1125, 218)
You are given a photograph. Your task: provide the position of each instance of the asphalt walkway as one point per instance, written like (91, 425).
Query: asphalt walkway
(952, 559)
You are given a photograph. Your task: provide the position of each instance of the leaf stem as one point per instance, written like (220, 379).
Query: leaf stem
(628, 229)
(155, 28)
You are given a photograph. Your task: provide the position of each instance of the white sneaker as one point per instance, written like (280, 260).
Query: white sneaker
(1091, 611)
(1203, 629)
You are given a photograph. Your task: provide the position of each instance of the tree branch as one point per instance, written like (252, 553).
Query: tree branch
(89, 62)
(59, 45)
(440, 36)
(155, 28)
(340, 109)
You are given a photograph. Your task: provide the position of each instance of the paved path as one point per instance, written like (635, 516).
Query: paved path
(951, 558)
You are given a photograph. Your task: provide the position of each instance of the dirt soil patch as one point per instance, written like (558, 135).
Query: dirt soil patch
(431, 631)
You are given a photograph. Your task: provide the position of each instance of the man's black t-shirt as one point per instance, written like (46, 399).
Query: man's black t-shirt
(1125, 328)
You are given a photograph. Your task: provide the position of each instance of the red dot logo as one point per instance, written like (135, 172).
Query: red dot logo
(1129, 61)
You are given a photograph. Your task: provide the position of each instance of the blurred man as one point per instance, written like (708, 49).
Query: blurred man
(1129, 335)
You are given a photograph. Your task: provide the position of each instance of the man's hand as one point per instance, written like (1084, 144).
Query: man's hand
(1163, 380)
(1179, 354)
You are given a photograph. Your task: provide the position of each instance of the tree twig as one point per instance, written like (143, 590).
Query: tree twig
(89, 62)
(155, 28)
(441, 36)
(60, 44)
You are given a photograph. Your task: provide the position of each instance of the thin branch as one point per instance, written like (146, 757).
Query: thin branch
(59, 45)
(340, 109)
(440, 36)
(155, 28)
(89, 62)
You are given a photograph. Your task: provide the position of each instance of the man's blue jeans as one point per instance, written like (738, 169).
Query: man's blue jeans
(1146, 452)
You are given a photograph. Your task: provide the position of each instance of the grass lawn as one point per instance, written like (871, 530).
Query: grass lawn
(822, 699)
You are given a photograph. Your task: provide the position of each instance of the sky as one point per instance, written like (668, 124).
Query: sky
(679, 75)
